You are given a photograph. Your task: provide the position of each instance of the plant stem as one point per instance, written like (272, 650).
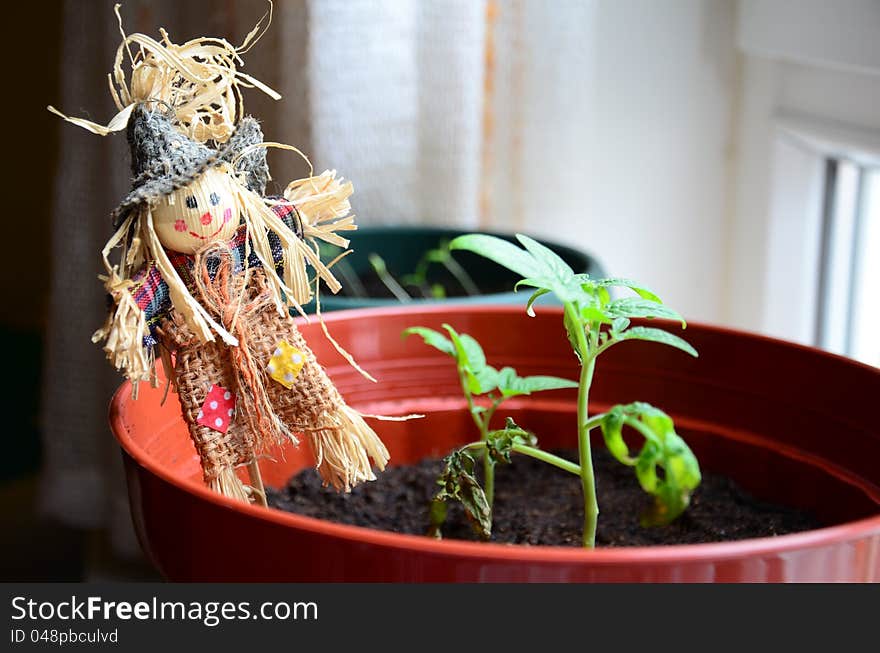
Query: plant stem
(585, 456)
(461, 276)
(390, 282)
(350, 278)
(544, 456)
(488, 463)
(483, 427)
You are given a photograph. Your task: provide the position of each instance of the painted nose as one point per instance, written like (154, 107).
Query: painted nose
(206, 218)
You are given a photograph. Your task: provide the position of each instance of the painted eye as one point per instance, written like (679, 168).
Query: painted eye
(215, 199)
(191, 202)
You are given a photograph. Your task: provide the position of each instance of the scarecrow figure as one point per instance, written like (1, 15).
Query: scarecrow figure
(209, 268)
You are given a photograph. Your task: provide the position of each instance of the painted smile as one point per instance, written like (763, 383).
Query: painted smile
(227, 216)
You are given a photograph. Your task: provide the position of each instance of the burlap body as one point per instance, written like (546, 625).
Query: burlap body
(303, 408)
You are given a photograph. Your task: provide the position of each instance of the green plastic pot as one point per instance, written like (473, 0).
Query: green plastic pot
(403, 246)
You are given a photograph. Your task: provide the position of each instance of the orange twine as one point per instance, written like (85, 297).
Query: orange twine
(229, 297)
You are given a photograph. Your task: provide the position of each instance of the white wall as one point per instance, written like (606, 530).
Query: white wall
(791, 83)
(674, 172)
(632, 160)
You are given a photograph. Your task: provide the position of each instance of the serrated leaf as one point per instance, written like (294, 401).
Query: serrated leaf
(640, 290)
(638, 307)
(501, 251)
(658, 335)
(433, 338)
(546, 257)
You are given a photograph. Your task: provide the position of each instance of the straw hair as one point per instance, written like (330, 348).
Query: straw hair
(199, 80)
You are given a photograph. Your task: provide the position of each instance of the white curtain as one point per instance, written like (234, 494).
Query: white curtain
(396, 90)
(466, 112)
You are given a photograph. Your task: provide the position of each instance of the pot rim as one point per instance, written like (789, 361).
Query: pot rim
(829, 535)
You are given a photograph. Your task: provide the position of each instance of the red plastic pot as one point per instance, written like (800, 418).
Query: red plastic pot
(791, 424)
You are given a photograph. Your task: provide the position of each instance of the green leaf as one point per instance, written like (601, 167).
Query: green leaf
(433, 338)
(640, 290)
(476, 358)
(501, 251)
(550, 260)
(514, 385)
(663, 448)
(571, 330)
(538, 293)
(539, 266)
(471, 361)
(499, 444)
(638, 307)
(439, 255)
(646, 468)
(658, 335)
(469, 353)
(612, 432)
(483, 381)
(594, 314)
(619, 324)
(541, 283)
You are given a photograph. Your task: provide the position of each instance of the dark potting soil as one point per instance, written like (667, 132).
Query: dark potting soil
(539, 504)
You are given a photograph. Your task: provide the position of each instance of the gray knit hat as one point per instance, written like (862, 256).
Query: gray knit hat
(164, 160)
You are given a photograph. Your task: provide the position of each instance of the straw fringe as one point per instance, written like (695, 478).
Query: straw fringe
(125, 326)
(228, 484)
(124, 333)
(343, 448)
(324, 202)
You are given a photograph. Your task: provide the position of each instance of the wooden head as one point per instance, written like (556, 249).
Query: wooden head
(193, 216)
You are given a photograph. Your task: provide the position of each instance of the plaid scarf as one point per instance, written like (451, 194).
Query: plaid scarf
(150, 291)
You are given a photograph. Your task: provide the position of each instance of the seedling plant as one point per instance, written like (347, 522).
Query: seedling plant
(418, 278)
(594, 322)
